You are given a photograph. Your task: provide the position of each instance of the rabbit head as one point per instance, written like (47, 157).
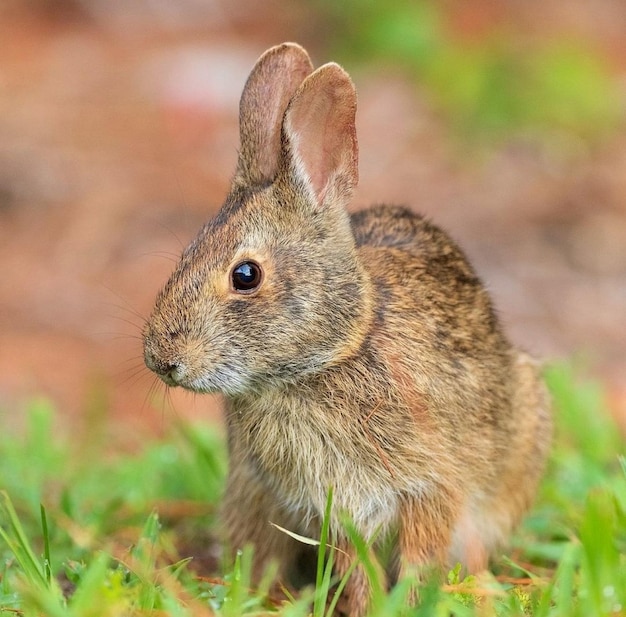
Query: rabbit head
(271, 288)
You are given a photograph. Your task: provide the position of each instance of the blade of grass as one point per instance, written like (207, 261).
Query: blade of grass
(563, 591)
(94, 579)
(239, 591)
(600, 566)
(46, 545)
(323, 572)
(365, 559)
(340, 587)
(18, 542)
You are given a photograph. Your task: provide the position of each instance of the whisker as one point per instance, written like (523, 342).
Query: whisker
(167, 255)
(138, 359)
(126, 319)
(150, 393)
(126, 305)
(170, 230)
(157, 389)
(134, 376)
(166, 403)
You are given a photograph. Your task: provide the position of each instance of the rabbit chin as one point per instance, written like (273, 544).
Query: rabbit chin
(224, 380)
(232, 379)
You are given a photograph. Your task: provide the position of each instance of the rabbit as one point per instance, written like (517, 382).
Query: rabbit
(354, 351)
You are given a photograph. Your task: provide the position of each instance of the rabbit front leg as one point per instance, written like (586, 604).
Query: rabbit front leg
(248, 509)
(357, 595)
(425, 533)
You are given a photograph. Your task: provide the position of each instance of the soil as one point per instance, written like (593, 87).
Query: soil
(118, 137)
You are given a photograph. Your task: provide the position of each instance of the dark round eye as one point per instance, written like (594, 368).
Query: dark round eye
(246, 277)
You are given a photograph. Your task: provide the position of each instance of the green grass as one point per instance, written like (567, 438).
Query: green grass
(84, 533)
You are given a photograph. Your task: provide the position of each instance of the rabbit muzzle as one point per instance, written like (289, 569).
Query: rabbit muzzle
(172, 373)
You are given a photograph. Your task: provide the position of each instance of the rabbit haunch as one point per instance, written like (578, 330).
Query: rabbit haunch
(367, 357)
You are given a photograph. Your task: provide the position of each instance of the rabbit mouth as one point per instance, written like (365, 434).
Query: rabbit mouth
(225, 379)
(177, 373)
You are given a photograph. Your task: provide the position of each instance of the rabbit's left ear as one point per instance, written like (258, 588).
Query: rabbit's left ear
(320, 150)
(273, 81)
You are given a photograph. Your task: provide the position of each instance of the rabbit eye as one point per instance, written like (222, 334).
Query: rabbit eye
(246, 277)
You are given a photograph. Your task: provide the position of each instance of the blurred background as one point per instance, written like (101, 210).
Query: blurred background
(503, 120)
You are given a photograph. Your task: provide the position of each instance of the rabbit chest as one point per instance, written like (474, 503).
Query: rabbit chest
(299, 450)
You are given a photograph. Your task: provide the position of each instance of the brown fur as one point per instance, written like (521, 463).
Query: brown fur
(370, 359)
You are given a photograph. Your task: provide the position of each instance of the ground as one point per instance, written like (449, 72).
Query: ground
(118, 137)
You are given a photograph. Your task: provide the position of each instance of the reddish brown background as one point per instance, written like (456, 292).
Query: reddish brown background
(118, 137)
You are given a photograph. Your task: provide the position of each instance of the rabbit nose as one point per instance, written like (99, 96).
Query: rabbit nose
(172, 373)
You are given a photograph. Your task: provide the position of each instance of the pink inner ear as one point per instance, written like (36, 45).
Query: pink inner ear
(316, 142)
(320, 127)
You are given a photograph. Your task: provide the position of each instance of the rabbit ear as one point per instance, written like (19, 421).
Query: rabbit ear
(319, 136)
(273, 81)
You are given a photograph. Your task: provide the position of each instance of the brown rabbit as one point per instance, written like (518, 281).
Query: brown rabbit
(359, 352)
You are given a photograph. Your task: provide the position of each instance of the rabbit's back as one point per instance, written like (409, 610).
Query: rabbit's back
(429, 299)
(438, 337)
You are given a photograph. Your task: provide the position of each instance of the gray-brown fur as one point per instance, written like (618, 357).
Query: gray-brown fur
(370, 358)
